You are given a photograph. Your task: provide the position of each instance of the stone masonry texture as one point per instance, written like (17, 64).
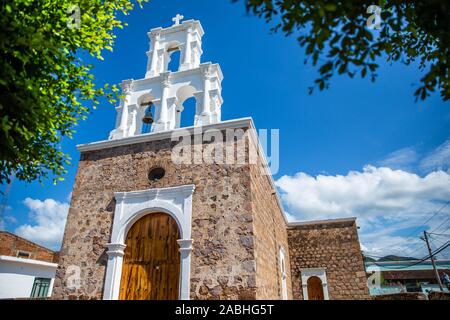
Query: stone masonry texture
(270, 235)
(238, 226)
(223, 259)
(334, 246)
(11, 244)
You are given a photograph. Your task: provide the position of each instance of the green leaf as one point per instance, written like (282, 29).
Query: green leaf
(411, 29)
(53, 87)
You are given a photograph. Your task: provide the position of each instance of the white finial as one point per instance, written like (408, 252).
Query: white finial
(177, 19)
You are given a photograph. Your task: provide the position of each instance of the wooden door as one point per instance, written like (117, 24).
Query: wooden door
(315, 289)
(151, 266)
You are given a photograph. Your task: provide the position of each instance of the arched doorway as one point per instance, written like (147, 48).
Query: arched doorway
(151, 266)
(315, 288)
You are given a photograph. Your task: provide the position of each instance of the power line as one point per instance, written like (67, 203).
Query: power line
(441, 234)
(411, 250)
(443, 223)
(437, 212)
(444, 232)
(441, 242)
(434, 213)
(441, 248)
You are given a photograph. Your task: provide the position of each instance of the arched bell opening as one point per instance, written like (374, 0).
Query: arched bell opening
(187, 116)
(173, 57)
(147, 119)
(174, 60)
(146, 114)
(187, 108)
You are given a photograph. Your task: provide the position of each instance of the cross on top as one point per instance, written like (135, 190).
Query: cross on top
(177, 19)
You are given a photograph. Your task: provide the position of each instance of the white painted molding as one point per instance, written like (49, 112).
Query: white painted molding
(28, 261)
(307, 273)
(154, 136)
(160, 83)
(185, 258)
(130, 207)
(116, 249)
(282, 256)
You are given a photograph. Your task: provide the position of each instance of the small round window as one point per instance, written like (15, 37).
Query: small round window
(156, 174)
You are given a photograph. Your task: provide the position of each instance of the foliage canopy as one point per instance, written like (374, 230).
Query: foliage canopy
(336, 36)
(45, 86)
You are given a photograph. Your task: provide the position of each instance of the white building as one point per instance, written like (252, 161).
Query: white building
(27, 270)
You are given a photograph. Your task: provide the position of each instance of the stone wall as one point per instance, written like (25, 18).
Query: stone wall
(222, 263)
(11, 244)
(333, 245)
(402, 296)
(269, 235)
(437, 295)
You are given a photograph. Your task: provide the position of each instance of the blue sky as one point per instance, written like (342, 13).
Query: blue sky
(357, 136)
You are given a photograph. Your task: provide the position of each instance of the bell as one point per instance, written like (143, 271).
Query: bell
(148, 116)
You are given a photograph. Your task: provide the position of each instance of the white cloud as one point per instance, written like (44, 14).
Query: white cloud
(404, 246)
(439, 159)
(289, 217)
(388, 203)
(401, 159)
(49, 217)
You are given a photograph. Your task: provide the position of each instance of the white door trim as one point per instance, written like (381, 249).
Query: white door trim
(314, 272)
(282, 255)
(130, 207)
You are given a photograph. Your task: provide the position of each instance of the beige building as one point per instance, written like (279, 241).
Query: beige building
(192, 213)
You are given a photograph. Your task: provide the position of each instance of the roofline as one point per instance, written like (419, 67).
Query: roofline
(153, 136)
(367, 263)
(177, 74)
(28, 261)
(327, 221)
(29, 241)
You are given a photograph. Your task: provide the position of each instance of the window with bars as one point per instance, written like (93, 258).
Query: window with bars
(40, 288)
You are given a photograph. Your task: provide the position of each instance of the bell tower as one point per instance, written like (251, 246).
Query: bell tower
(164, 91)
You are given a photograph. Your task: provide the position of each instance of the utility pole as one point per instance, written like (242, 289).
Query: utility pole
(425, 235)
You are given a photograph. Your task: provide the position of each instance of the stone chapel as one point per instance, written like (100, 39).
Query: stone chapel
(142, 225)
